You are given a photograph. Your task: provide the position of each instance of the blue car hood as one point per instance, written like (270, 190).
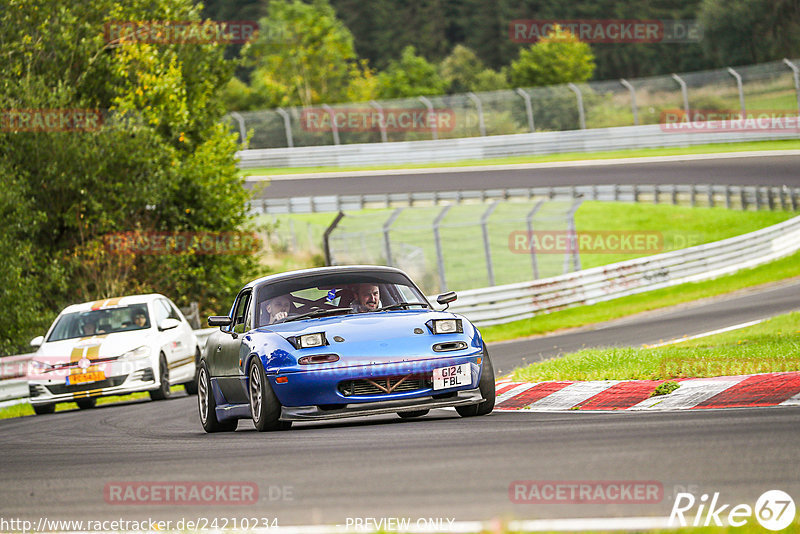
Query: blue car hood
(375, 337)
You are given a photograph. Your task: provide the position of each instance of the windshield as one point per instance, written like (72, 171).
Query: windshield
(360, 292)
(97, 322)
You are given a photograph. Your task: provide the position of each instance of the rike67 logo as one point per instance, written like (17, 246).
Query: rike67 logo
(774, 510)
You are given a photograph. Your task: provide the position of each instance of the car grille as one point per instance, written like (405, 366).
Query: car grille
(59, 389)
(384, 386)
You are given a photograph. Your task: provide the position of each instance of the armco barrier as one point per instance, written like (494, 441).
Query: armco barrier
(500, 146)
(502, 304)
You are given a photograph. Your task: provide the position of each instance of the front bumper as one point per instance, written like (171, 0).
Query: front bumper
(316, 413)
(121, 378)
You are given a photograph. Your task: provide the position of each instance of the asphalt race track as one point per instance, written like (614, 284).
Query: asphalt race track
(760, 170)
(440, 466)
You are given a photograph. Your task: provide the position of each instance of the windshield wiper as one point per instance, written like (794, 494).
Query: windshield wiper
(317, 313)
(401, 305)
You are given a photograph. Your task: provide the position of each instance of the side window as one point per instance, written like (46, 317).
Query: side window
(242, 318)
(172, 313)
(159, 312)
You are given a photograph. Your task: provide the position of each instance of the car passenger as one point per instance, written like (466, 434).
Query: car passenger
(368, 298)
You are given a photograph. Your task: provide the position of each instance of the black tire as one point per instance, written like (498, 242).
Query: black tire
(207, 405)
(87, 403)
(264, 405)
(44, 409)
(191, 386)
(163, 390)
(487, 387)
(412, 414)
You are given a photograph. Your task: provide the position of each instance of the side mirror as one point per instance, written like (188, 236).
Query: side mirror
(446, 298)
(219, 320)
(169, 323)
(37, 341)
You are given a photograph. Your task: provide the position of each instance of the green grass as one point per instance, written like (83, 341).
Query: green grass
(770, 346)
(782, 269)
(566, 156)
(25, 409)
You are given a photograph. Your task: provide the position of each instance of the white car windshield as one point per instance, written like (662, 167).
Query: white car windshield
(99, 322)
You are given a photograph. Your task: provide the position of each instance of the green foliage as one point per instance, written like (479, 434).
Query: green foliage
(304, 55)
(463, 71)
(750, 31)
(160, 161)
(665, 388)
(558, 58)
(411, 76)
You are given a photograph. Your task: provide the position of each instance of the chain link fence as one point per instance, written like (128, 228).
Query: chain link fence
(772, 87)
(459, 246)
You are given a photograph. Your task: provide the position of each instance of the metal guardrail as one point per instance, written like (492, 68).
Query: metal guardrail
(502, 304)
(729, 196)
(500, 146)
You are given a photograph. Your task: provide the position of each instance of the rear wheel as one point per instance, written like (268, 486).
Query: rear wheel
(163, 391)
(487, 388)
(44, 409)
(87, 403)
(264, 405)
(191, 386)
(207, 405)
(413, 413)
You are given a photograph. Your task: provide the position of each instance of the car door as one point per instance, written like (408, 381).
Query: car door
(169, 340)
(229, 349)
(183, 342)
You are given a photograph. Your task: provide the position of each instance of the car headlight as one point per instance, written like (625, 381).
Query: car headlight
(446, 326)
(39, 367)
(311, 340)
(140, 352)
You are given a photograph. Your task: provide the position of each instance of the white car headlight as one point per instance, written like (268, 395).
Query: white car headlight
(311, 340)
(140, 352)
(446, 326)
(39, 367)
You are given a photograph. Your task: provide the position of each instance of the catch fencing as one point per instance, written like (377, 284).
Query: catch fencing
(607, 115)
(502, 304)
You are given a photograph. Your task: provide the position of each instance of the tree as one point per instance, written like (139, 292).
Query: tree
(410, 76)
(304, 55)
(738, 32)
(558, 58)
(156, 159)
(463, 71)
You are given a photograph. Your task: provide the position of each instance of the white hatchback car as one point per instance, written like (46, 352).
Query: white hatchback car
(113, 347)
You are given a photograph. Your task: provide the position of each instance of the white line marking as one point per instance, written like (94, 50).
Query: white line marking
(526, 166)
(572, 395)
(704, 334)
(537, 525)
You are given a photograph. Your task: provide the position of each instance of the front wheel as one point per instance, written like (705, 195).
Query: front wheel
(208, 406)
(163, 391)
(44, 409)
(264, 405)
(487, 388)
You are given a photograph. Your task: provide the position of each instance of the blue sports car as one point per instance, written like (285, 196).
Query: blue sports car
(336, 342)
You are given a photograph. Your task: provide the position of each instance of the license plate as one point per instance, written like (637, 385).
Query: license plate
(82, 378)
(452, 376)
